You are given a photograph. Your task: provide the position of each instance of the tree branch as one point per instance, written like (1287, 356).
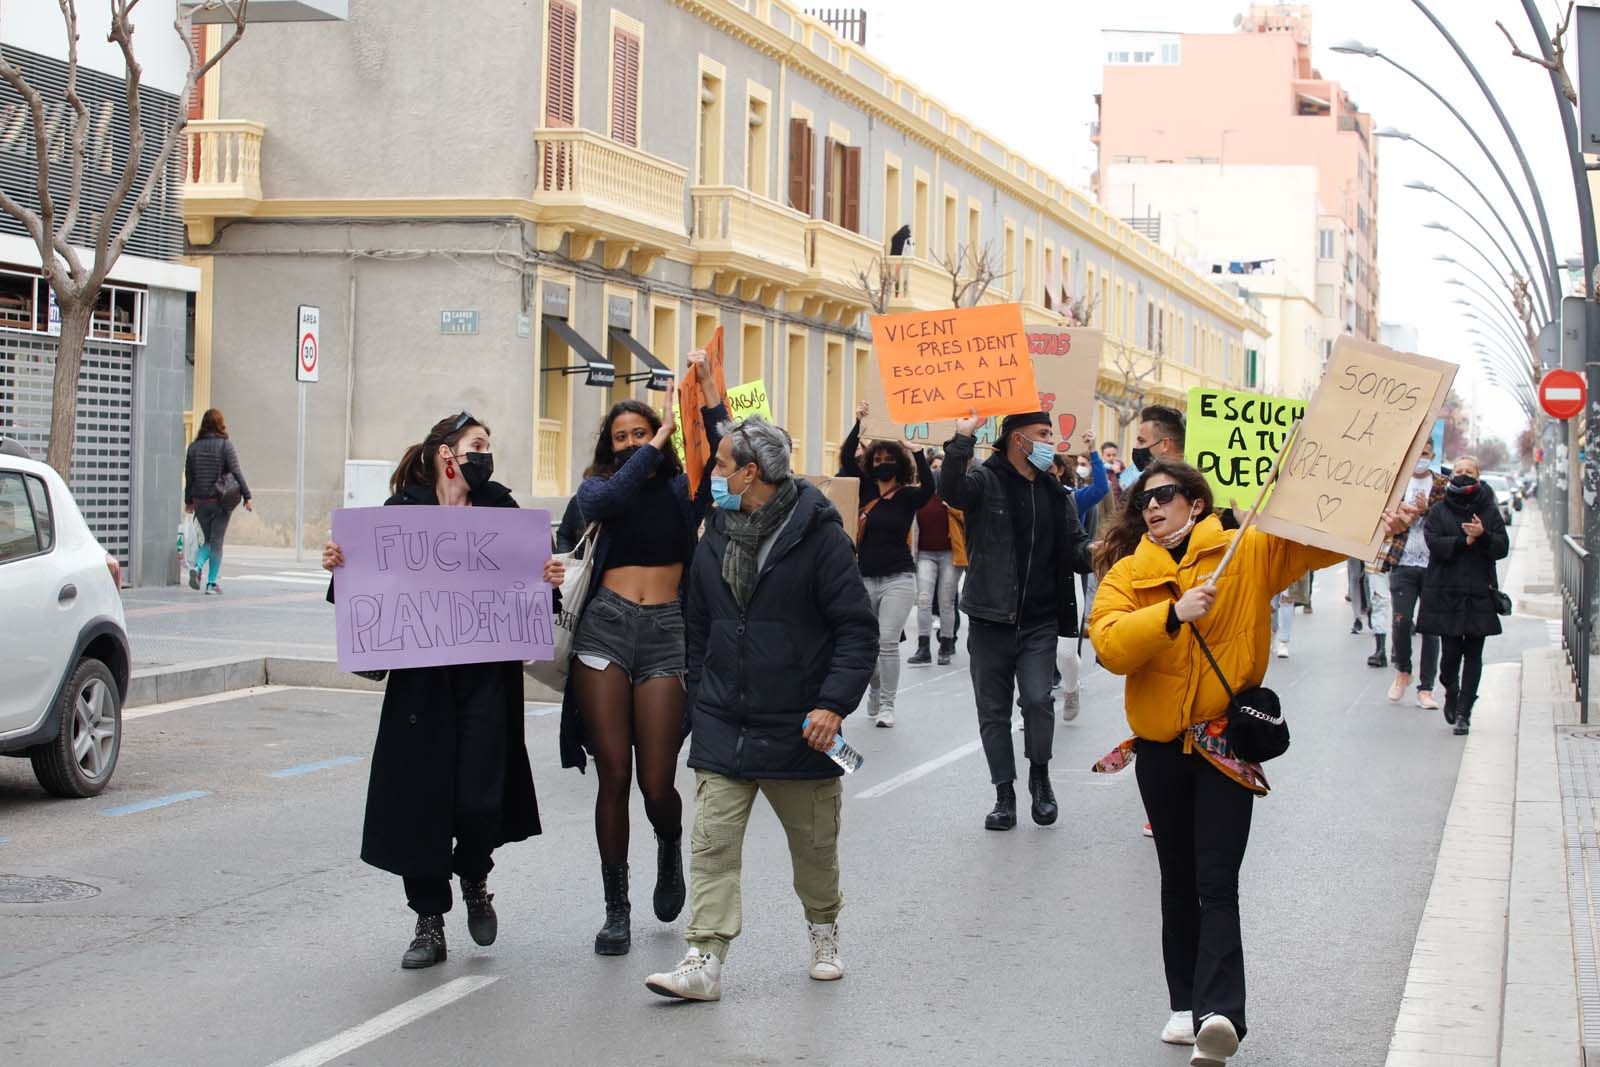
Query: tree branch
(41, 225)
(80, 128)
(1555, 63)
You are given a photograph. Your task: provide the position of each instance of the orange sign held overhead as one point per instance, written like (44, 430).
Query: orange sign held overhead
(944, 364)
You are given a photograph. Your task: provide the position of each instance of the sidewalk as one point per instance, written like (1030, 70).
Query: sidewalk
(1504, 967)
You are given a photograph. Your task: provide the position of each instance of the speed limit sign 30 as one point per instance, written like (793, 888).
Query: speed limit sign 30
(308, 331)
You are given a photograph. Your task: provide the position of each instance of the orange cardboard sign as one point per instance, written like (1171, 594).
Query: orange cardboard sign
(945, 364)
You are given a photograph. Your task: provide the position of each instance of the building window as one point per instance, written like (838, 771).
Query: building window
(802, 150)
(951, 236)
(833, 400)
(561, 61)
(922, 218)
(974, 227)
(758, 140)
(625, 47)
(891, 199)
(710, 130)
(1006, 276)
(1325, 244)
(751, 355)
(841, 184)
(1029, 270)
(794, 400)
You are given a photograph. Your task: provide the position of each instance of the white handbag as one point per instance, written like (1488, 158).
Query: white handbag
(579, 565)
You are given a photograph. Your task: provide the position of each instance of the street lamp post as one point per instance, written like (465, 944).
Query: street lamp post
(1537, 291)
(1356, 48)
(1510, 352)
(1548, 280)
(1442, 258)
(1513, 383)
(1500, 331)
(1489, 302)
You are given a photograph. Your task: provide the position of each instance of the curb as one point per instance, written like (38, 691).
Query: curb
(182, 681)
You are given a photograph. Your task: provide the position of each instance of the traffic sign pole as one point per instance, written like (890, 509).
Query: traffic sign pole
(307, 368)
(300, 480)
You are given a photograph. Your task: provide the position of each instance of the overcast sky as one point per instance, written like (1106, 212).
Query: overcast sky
(1027, 72)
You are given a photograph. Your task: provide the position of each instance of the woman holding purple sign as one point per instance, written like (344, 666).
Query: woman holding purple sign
(624, 702)
(450, 777)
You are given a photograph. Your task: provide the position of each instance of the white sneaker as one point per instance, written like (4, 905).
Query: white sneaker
(1179, 1029)
(1283, 650)
(885, 717)
(1214, 1042)
(696, 978)
(826, 966)
(1069, 706)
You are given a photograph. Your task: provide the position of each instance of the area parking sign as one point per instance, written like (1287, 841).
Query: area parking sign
(308, 332)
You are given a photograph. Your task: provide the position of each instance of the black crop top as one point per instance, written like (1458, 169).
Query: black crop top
(652, 531)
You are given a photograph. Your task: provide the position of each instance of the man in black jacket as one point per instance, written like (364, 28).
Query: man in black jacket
(1024, 544)
(781, 645)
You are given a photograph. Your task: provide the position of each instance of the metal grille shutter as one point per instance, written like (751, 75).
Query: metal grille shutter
(160, 233)
(102, 457)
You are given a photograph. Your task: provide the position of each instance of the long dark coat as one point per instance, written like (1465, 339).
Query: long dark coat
(1458, 589)
(413, 797)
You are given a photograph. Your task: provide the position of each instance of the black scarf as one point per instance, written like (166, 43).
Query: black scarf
(745, 533)
(1462, 498)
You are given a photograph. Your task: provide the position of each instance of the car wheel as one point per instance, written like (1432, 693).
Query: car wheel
(79, 762)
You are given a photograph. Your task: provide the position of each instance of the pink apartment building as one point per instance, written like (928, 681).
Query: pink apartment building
(1253, 97)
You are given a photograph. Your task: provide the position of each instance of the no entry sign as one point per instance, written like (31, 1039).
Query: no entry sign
(1562, 393)
(308, 331)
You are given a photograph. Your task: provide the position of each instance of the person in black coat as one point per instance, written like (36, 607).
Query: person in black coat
(781, 647)
(450, 764)
(1460, 592)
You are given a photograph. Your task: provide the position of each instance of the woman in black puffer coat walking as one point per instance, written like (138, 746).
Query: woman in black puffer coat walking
(1460, 592)
(211, 458)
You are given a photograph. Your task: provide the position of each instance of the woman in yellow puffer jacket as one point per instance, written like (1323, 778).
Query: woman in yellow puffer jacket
(1154, 564)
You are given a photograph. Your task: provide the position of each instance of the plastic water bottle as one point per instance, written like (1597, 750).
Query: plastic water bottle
(848, 759)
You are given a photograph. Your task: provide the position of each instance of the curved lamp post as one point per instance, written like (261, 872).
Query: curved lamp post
(1538, 291)
(1546, 250)
(1487, 302)
(1477, 316)
(1491, 364)
(1495, 339)
(1516, 374)
(1499, 296)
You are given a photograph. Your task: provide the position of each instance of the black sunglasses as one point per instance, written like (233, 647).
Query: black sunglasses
(1161, 494)
(461, 420)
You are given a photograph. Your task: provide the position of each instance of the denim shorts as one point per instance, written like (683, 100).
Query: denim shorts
(644, 640)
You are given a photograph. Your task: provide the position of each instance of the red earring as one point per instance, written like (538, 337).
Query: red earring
(449, 469)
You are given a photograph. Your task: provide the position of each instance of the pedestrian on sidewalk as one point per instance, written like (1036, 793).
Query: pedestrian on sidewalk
(213, 485)
(780, 651)
(891, 495)
(1024, 544)
(1405, 557)
(1084, 476)
(624, 699)
(1155, 565)
(450, 764)
(1298, 594)
(1380, 613)
(936, 578)
(1461, 598)
(1356, 593)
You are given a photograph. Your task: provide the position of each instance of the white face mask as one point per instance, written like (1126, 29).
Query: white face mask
(1174, 539)
(1083, 472)
(1423, 463)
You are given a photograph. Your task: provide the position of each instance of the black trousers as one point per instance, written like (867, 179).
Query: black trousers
(1405, 589)
(480, 784)
(1201, 822)
(1007, 660)
(1461, 668)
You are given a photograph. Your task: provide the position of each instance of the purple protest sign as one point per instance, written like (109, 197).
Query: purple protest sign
(425, 586)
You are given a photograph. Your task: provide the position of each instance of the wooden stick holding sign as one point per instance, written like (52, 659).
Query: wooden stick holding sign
(1261, 496)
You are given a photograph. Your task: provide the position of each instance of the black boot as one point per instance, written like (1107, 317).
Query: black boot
(922, 656)
(1044, 798)
(1379, 658)
(482, 923)
(1004, 815)
(427, 948)
(947, 649)
(669, 877)
(615, 937)
(1449, 705)
(1463, 716)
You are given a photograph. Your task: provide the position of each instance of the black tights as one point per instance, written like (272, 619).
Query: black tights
(620, 719)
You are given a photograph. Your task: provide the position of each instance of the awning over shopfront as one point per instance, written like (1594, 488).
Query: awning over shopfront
(655, 372)
(594, 364)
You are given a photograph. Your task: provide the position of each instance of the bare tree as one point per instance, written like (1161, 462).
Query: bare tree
(1129, 397)
(76, 285)
(876, 281)
(972, 271)
(1558, 53)
(1522, 300)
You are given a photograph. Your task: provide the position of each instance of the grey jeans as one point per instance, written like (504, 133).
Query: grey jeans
(935, 570)
(891, 598)
(1007, 660)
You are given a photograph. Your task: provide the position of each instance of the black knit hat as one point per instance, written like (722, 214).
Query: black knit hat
(1011, 423)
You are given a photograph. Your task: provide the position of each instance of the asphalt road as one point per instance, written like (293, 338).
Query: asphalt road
(238, 927)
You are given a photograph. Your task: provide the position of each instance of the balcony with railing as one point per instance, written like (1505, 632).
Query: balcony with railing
(222, 173)
(916, 284)
(591, 188)
(746, 243)
(547, 478)
(835, 259)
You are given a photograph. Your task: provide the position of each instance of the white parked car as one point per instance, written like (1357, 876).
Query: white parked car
(64, 665)
(1502, 494)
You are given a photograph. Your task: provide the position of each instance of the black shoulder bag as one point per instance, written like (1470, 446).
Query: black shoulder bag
(1256, 730)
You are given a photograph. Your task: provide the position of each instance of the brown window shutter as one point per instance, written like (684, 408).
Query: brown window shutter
(197, 99)
(560, 103)
(799, 156)
(829, 193)
(852, 189)
(811, 171)
(625, 88)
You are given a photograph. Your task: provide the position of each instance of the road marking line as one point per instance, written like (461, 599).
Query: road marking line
(387, 1023)
(204, 604)
(308, 768)
(158, 802)
(538, 711)
(199, 702)
(922, 770)
(287, 579)
(3, 840)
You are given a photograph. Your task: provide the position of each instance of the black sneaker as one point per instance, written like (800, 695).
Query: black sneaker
(213, 589)
(947, 649)
(427, 948)
(923, 655)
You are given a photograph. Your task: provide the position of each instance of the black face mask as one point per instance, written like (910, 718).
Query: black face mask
(622, 455)
(476, 468)
(1463, 483)
(884, 472)
(1141, 458)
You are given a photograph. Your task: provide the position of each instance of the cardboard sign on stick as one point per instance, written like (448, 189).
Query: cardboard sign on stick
(1066, 363)
(1362, 431)
(845, 495)
(1233, 438)
(943, 364)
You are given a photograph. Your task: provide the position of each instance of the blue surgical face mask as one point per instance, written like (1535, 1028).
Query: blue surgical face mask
(1042, 455)
(720, 495)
